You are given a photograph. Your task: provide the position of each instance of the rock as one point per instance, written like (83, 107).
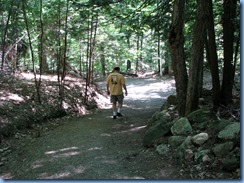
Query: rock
(219, 125)
(181, 127)
(156, 116)
(200, 116)
(160, 129)
(206, 158)
(189, 155)
(175, 141)
(201, 152)
(187, 144)
(162, 149)
(6, 130)
(230, 132)
(172, 100)
(223, 149)
(232, 161)
(200, 138)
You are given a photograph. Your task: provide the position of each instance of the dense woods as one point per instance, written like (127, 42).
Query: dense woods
(88, 38)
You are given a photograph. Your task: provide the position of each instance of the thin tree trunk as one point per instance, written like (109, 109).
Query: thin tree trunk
(80, 62)
(32, 54)
(236, 53)
(93, 48)
(137, 52)
(5, 34)
(59, 51)
(87, 56)
(65, 51)
(196, 58)
(176, 47)
(41, 45)
(103, 65)
(159, 56)
(211, 52)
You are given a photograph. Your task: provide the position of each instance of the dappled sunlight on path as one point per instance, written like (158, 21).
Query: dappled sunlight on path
(96, 146)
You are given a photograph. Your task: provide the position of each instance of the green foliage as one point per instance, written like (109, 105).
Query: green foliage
(119, 24)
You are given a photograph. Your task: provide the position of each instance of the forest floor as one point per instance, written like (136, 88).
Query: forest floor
(95, 146)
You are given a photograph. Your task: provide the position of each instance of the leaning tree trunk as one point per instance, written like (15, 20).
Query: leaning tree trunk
(176, 46)
(229, 30)
(196, 58)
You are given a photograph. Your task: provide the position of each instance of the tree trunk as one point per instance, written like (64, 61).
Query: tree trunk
(159, 56)
(32, 53)
(176, 47)
(5, 34)
(103, 66)
(80, 61)
(196, 58)
(59, 56)
(211, 53)
(41, 45)
(63, 61)
(229, 30)
(137, 52)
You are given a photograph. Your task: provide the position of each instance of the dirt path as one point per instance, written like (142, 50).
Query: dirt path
(97, 146)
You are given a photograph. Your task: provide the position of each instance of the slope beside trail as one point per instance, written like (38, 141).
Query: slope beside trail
(96, 146)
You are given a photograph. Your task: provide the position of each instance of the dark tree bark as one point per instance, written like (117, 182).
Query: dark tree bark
(228, 70)
(176, 47)
(5, 34)
(137, 52)
(103, 65)
(196, 64)
(211, 53)
(41, 45)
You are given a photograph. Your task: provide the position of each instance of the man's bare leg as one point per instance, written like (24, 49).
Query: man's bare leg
(119, 109)
(114, 109)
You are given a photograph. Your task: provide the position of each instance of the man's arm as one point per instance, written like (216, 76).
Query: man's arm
(124, 86)
(108, 92)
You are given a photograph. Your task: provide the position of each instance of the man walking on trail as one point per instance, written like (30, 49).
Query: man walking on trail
(115, 83)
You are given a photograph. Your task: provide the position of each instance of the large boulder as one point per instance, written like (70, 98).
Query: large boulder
(158, 130)
(230, 132)
(232, 161)
(218, 125)
(181, 127)
(201, 116)
(221, 150)
(157, 116)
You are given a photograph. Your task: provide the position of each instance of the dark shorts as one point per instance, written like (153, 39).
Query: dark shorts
(117, 98)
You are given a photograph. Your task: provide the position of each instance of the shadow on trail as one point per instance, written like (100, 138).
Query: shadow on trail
(97, 146)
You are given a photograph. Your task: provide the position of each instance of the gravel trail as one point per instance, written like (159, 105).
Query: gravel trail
(96, 146)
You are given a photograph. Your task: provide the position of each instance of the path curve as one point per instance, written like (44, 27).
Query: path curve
(97, 146)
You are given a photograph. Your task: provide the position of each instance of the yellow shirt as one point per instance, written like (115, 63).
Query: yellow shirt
(115, 81)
